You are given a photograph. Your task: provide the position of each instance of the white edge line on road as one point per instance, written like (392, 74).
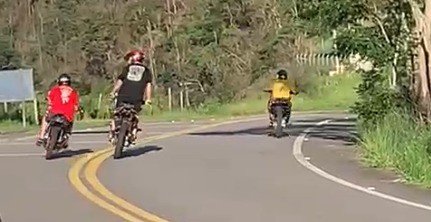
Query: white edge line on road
(71, 143)
(20, 154)
(297, 153)
(25, 138)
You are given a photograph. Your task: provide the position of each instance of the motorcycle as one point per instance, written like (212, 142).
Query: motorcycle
(281, 110)
(126, 128)
(56, 136)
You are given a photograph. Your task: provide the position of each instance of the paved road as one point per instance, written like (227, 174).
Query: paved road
(238, 173)
(32, 189)
(228, 173)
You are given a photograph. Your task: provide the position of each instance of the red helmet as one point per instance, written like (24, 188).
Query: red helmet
(135, 56)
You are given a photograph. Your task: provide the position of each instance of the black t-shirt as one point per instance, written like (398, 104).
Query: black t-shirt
(135, 79)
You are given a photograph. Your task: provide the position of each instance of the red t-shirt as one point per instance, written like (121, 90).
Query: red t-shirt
(63, 100)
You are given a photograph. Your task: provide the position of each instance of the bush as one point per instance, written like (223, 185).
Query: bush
(400, 143)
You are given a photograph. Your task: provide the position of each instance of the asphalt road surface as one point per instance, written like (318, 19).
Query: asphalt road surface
(233, 172)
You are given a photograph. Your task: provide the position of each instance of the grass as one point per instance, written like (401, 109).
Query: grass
(401, 144)
(334, 93)
(329, 93)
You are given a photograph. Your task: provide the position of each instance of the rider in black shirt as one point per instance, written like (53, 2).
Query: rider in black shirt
(134, 83)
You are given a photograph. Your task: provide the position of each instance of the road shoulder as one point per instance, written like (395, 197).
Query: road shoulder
(331, 149)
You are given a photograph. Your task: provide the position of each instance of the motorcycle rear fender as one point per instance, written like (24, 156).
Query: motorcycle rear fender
(62, 132)
(58, 120)
(280, 101)
(284, 106)
(119, 122)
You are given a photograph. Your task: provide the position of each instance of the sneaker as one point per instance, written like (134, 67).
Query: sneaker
(270, 125)
(110, 136)
(39, 142)
(65, 145)
(283, 123)
(111, 140)
(135, 134)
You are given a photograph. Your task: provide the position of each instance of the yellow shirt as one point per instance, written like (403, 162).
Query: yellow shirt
(281, 89)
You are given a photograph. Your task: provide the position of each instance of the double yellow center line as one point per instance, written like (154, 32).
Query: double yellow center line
(88, 165)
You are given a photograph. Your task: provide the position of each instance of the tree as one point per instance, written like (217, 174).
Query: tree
(421, 13)
(394, 36)
(223, 47)
(8, 56)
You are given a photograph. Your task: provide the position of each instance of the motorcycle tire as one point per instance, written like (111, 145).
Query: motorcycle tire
(121, 138)
(279, 121)
(51, 144)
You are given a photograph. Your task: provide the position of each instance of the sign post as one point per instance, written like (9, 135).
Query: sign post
(17, 86)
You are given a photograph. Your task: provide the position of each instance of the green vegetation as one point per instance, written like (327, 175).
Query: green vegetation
(329, 93)
(220, 55)
(219, 48)
(400, 143)
(394, 99)
(217, 54)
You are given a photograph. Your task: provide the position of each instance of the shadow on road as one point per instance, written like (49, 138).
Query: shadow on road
(71, 153)
(138, 151)
(91, 132)
(337, 129)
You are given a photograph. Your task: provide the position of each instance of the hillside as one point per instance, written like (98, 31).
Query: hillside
(219, 47)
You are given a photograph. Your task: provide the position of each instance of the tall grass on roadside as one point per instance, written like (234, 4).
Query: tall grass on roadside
(402, 144)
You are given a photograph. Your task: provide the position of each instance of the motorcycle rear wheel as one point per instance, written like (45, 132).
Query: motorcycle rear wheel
(121, 138)
(51, 144)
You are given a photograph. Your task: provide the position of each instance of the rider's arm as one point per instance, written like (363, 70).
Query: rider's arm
(49, 99)
(148, 85)
(147, 95)
(292, 89)
(119, 81)
(76, 100)
(117, 86)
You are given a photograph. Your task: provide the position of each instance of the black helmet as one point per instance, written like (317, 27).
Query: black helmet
(282, 74)
(64, 79)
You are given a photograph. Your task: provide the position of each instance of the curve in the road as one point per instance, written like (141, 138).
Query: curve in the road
(120, 207)
(90, 173)
(91, 163)
(297, 153)
(74, 178)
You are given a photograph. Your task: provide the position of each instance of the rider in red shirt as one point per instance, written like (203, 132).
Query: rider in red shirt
(62, 99)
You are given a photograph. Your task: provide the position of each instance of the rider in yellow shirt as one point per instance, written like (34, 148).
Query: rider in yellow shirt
(280, 89)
